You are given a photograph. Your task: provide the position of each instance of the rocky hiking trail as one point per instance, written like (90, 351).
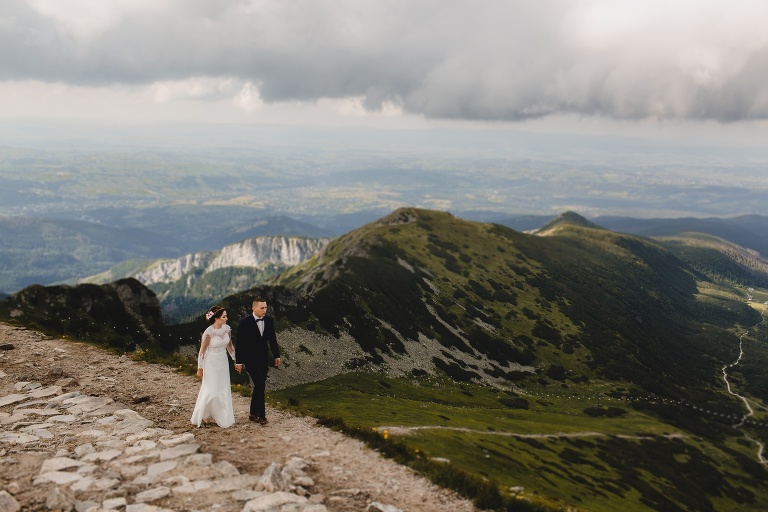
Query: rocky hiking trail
(84, 429)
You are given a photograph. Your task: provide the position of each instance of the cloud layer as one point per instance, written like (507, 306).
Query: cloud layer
(484, 60)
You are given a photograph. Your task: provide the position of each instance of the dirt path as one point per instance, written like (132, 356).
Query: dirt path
(348, 475)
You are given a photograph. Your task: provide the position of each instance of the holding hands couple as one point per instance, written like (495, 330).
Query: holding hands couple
(255, 338)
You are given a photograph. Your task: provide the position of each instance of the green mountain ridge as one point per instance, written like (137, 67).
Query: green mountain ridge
(585, 299)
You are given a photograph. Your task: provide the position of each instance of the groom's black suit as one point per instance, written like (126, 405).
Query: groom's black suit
(252, 350)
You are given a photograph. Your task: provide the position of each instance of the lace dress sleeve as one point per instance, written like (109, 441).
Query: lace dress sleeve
(204, 342)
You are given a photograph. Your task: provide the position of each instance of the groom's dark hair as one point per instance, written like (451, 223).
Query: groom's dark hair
(258, 299)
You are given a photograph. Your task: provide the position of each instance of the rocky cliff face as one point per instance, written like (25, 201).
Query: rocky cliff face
(255, 252)
(121, 314)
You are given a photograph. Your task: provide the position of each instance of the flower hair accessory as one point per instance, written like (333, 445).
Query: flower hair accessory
(208, 315)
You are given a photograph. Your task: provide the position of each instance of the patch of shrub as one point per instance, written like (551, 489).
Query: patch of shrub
(515, 402)
(608, 412)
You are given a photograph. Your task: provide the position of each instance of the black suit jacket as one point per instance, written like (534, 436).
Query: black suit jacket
(252, 348)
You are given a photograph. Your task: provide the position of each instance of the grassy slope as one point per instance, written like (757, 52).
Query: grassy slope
(623, 319)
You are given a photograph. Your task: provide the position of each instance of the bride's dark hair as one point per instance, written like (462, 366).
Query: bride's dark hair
(214, 313)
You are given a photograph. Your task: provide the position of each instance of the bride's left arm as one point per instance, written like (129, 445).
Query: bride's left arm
(230, 346)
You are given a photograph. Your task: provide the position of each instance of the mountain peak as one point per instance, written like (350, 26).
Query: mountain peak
(567, 218)
(404, 215)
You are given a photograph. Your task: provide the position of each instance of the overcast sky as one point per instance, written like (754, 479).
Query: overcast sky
(689, 68)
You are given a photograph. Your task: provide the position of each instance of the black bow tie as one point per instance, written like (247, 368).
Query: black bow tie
(259, 319)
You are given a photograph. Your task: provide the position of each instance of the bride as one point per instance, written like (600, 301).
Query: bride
(214, 401)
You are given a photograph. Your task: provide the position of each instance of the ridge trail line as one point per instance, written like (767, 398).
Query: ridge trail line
(407, 430)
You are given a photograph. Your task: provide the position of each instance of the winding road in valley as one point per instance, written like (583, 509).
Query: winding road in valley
(745, 400)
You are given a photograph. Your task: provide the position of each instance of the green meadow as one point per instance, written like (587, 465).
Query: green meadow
(588, 446)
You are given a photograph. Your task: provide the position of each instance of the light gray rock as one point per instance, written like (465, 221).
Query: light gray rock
(185, 438)
(106, 455)
(12, 399)
(84, 449)
(10, 419)
(161, 467)
(112, 443)
(61, 398)
(131, 426)
(270, 501)
(294, 467)
(140, 457)
(114, 503)
(8, 503)
(88, 469)
(59, 499)
(197, 472)
(236, 483)
(381, 507)
(130, 470)
(273, 480)
(41, 433)
(45, 392)
(192, 487)
(142, 445)
(42, 412)
(148, 433)
(145, 507)
(11, 438)
(65, 381)
(225, 468)
(247, 495)
(87, 404)
(303, 481)
(86, 506)
(104, 484)
(63, 418)
(179, 451)
(92, 433)
(199, 459)
(57, 477)
(153, 494)
(82, 485)
(59, 463)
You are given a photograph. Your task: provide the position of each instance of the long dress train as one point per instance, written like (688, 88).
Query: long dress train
(214, 401)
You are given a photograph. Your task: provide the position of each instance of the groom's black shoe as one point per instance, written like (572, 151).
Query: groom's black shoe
(254, 418)
(263, 421)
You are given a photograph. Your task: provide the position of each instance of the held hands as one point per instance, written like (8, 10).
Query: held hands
(277, 362)
(239, 368)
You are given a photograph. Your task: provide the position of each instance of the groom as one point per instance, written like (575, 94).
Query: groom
(255, 337)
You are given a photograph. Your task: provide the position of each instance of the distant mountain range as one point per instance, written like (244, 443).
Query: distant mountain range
(749, 231)
(49, 251)
(61, 250)
(198, 280)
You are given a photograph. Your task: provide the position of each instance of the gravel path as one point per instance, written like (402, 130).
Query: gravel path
(347, 475)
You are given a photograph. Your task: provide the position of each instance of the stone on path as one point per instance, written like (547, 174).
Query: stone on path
(8, 503)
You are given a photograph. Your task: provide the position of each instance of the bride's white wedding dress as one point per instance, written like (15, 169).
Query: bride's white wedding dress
(214, 401)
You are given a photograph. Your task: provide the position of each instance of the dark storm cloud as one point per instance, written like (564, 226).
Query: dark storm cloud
(489, 60)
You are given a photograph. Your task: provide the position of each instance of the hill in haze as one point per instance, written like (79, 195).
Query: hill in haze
(58, 250)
